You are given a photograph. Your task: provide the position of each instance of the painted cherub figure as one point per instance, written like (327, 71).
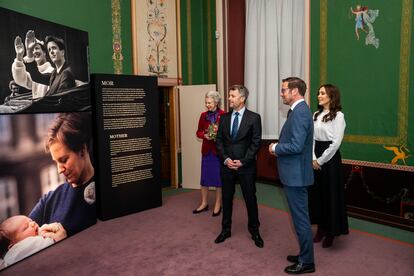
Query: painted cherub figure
(359, 19)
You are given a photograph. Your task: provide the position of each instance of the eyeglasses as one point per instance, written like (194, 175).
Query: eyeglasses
(284, 90)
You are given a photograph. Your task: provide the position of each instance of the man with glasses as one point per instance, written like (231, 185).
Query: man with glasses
(294, 161)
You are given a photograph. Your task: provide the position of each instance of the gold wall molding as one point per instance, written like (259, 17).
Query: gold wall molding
(117, 56)
(209, 44)
(189, 44)
(378, 165)
(323, 37)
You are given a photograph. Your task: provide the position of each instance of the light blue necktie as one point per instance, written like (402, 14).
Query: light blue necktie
(235, 127)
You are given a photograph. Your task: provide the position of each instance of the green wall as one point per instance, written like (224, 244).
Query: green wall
(198, 42)
(374, 82)
(94, 17)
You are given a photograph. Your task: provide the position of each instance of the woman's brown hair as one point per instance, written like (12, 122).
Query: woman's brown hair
(71, 129)
(335, 103)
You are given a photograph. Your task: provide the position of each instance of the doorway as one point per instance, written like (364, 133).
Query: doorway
(165, 135)
(168, 125)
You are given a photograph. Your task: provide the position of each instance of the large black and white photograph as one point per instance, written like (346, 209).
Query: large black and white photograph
(43, 66)
(47, 181)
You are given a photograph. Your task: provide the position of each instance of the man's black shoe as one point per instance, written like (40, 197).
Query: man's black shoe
(258, 241)
(293, 258)
(300, 268)
(223, 236)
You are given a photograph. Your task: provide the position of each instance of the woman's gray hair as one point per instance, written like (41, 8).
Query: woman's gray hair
(214, 95)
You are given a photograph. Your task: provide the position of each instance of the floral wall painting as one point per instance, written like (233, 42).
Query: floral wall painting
(364, 20)
(155, 37)
(157, 31)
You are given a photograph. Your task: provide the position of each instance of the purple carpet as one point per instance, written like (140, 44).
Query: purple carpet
(170, 240)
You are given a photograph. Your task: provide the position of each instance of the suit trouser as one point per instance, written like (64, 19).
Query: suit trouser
(248, 187)
(297, 198)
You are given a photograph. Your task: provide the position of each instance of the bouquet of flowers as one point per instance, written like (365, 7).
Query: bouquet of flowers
(212, 131)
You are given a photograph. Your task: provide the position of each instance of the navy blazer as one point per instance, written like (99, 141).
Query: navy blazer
(246, 144)
(294, 149)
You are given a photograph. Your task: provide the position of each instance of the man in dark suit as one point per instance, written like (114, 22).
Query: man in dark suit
(62, 78)
(238, 140)
(294, 161)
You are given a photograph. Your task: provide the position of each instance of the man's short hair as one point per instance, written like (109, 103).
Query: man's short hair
(244, 92)
(59, 42)
(294, 82)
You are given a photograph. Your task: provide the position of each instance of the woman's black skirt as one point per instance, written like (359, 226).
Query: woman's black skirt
(327, 206)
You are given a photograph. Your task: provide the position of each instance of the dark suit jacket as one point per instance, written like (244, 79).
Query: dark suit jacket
(246, 144)
(294, 150)
(62, 81)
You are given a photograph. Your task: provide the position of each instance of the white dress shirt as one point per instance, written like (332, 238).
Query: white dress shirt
(328, 131)
(233, 116)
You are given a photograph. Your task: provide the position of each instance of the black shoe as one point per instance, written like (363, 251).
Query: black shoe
(223, 236)
(320, 233)
(195, 211)
(300, 268)
(328, 241)
(217, 214)
(258, 241)
(293, 258)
